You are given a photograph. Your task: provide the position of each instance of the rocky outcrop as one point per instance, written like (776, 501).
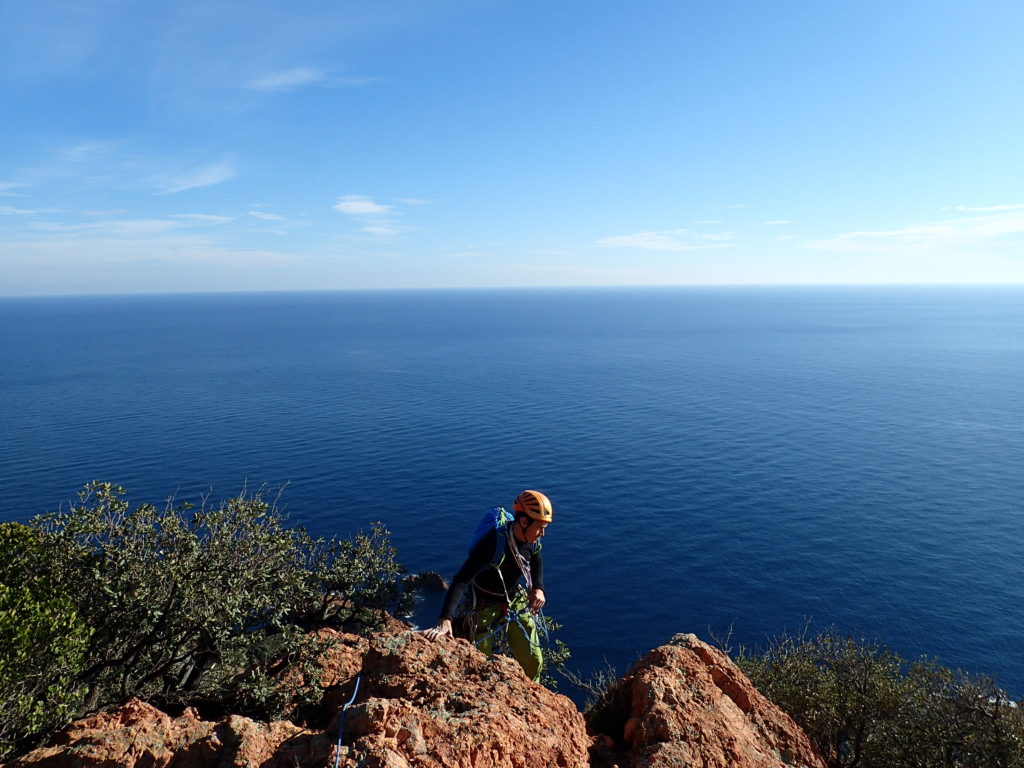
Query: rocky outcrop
(686, 704)
(445, 704)
(426, 581)
(138, 734)
(422, 704)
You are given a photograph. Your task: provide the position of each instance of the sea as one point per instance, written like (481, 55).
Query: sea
(736, 462)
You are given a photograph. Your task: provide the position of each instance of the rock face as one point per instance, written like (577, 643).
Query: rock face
(446, 704)
(422, 704)
(431, 581)
(140, 735)
(686, 704)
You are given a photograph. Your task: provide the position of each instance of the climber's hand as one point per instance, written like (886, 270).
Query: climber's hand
(537, 600)
(443, 629)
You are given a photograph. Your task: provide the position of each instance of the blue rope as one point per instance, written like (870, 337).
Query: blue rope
(498, 627)
(526, 632)
(341, 721)
(541, 622)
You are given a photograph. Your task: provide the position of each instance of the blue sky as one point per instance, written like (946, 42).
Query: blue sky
(227, 145)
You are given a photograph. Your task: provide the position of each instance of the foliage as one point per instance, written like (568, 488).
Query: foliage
(600, 705)
(863, 705)
(176, 605)
(353, 580)
(42, 644)
(556, 652)
(595, 686)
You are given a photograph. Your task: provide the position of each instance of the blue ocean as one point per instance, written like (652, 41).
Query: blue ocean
(744, 458)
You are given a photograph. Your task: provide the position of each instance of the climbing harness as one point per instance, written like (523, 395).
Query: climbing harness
(509, 616)
(341, 721)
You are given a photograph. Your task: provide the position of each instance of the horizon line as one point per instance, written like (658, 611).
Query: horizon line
(443, 288)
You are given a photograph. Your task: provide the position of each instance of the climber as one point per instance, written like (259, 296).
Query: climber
(486, 589)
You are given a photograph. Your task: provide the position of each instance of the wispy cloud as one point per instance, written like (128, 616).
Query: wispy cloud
(667, 240)
(382, 229)
(139, 250)
(174, 181)
(203, 218)
(131, 227)
(992, 208)
(361, 205)
(266, 216)
(104, 166)
(962, 234)
(7, 186)
(378, 219)
(6, 210)
(298, 78)
(119, 227)
(287, 80)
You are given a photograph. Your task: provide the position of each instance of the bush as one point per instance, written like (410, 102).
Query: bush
(863, 705)
(42, 644)
(186, 606)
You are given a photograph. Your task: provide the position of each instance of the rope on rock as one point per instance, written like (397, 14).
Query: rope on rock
(341, 721)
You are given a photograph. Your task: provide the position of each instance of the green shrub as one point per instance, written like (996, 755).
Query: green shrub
(206, 606)
(863, 705)
(42, 643)
(556, 652)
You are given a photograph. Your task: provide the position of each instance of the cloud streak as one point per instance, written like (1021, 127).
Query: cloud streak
(991, 208)
(298, 78)
(172, 182)
(378, 219)
(203, 218)
(131, 227)
(362, 206)
(676, 240)
(962, 234)
(287, 80)
(7, 186)
(87, 167)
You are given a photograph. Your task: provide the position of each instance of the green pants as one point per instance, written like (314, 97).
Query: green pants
(523, 639)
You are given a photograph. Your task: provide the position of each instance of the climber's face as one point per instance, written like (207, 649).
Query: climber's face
(534, 531)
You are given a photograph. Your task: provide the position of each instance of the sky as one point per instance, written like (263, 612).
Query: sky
(230, 145)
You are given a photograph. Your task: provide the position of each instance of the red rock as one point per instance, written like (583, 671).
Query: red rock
(421, 704)
(424, 704)
(444, 704)
(686, 704)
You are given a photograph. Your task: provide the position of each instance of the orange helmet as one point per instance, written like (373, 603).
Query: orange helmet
(534, 504)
